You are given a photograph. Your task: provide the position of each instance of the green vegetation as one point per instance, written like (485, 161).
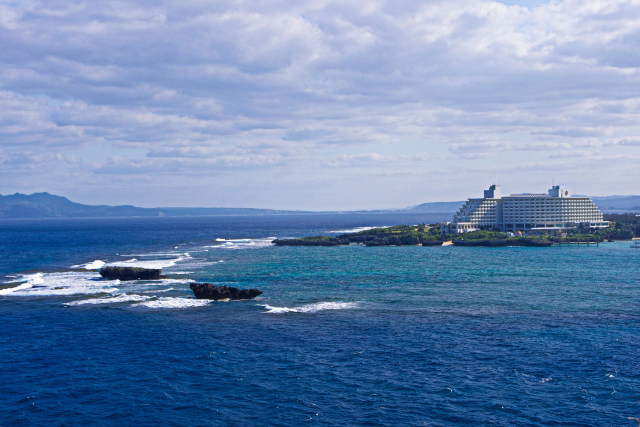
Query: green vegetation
(623, 226)
(482, 235)
(498, 239)
(399, 235)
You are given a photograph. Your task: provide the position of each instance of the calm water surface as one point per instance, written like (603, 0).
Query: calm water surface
(346, 335)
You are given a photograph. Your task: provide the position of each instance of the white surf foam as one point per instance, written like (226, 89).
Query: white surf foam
(276, 310)
(173, 303)
(153, 287)
(63, 283)
(157, 263)
(312, 308)
(168, 282)
(243, 243)
(355, 230)
(154, 254)
(93, 265)
(29, 281)
(111, 300)
(158, 291)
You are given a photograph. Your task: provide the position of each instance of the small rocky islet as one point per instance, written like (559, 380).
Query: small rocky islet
(200, 290)
(130, 273)
(216, 292)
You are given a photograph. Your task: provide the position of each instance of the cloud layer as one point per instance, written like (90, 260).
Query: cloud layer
(316, 104)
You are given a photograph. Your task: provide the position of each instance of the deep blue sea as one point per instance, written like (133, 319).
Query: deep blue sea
(341, 336)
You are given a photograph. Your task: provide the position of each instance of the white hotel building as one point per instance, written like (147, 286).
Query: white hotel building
(555, 210)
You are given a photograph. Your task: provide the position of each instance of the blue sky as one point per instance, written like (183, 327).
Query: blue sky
(317, 104)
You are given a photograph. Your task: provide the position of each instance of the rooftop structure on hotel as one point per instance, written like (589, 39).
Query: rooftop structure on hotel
(555, 210)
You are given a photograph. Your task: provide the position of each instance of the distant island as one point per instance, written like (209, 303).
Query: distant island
(45, 205)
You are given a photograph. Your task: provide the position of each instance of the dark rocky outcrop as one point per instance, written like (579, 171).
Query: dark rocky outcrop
(215, 292)
(130, 273)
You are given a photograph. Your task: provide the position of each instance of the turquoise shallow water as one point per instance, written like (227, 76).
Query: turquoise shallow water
(349, 335)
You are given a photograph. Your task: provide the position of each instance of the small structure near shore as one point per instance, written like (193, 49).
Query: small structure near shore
(215, 292)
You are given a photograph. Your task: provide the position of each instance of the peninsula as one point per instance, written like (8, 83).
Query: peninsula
(399, 235)
(420, 235)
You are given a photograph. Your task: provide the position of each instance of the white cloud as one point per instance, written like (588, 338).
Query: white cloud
(633, 142)
(294, 88)
(374, 159)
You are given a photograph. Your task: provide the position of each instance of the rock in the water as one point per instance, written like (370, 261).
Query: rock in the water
(130, 273)
(209, 291)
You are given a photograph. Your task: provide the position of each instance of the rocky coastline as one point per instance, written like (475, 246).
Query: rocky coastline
(420, 235)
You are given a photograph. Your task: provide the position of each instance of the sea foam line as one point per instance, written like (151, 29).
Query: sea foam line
(173, 303)
(30, 280)
(311, 308)
(93, 265)
(159, 263)
(111, 300)
(243, 243)
(60, 283)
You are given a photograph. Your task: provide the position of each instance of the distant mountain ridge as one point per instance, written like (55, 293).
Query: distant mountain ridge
(438, 207)
(618, 204)
(45, 205)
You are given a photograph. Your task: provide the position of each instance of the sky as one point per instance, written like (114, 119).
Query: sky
(321, 105)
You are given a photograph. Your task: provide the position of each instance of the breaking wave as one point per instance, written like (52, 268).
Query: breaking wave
(312, 308)
(111, 300)
(93, 265)
(243, 243)
(173, 303)
(157, 263)
(62, 283)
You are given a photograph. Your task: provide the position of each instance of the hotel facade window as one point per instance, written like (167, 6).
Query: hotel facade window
(555, 210)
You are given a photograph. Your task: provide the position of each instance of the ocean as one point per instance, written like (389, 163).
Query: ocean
(347, 335)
